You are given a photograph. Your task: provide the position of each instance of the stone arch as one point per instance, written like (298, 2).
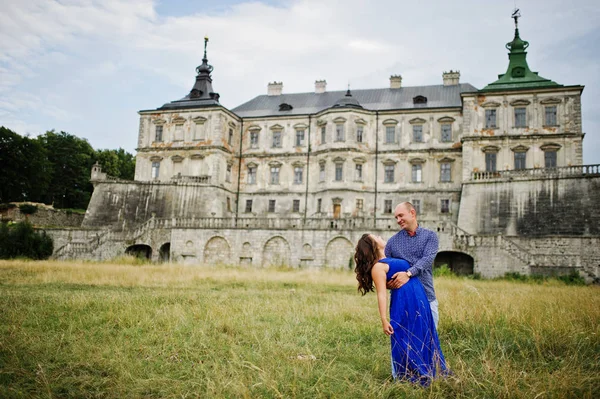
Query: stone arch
(217, 250)
(339, 253)
(141, 251)
(460, 263)
(276, 252)
(164, 253)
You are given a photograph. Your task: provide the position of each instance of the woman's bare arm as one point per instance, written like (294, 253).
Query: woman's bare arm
(378, 272)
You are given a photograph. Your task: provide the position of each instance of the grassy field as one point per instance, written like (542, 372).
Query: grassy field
(121, 331)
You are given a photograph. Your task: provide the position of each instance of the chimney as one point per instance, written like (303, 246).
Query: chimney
(320, 86)
(451, 78)
(275, 88)
(395, 81)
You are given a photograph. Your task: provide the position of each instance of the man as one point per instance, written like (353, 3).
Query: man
(418, 246)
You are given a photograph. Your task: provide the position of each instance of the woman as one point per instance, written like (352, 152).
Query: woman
(416, 352)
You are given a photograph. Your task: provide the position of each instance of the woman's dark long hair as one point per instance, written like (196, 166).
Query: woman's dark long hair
(364, 258)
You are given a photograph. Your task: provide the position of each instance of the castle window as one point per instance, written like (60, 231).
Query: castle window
(359, 134)
(158, 134)
(199, 131)
(254, 139)
(248, 206)
(339, 171)
(323, 134)
(390, 134)
(274, 174)
(490, 161)
(228, 204)
(417, 133)
(520, 160)
(230, 138)
(490, 119)
(155, 169)
(319, 203)
(387, 206)
(446, 133)
(445, 172)
(520, 117)
(339, 132)
(359, 204)
(228, 174)
(550, 159)
(322, 172)
(299, 138)
(178, 133)
(358, 169)
(251, 174)
(417, 205)
(298, 171)
(296, 206)
(550, 113)
(277, 139)
(271, 206)
(389, 173)
(445, 206)
(417, 173)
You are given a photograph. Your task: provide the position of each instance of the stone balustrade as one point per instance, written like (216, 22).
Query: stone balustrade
(560, 172)
(204, 179)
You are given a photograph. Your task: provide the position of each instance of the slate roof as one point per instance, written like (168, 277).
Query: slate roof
(438, 96)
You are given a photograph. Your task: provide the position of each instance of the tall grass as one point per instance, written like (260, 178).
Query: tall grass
(112, 330)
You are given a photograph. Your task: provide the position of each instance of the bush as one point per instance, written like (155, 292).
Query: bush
(21, 240)
(572, 278)
(4, 207)
(442, 270)
(28, 209)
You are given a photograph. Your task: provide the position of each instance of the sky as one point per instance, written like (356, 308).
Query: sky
(86, 67)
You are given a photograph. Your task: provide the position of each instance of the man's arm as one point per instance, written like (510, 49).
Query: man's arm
(388, 248)
(429, 253)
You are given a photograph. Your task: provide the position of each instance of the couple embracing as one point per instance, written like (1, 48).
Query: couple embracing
(405, 265)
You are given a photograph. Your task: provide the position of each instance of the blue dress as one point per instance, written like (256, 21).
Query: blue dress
(416, 352)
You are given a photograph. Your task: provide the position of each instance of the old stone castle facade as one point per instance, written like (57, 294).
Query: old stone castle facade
(296, 178)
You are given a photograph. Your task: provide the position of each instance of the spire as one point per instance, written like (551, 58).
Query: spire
(203, 89)
(518, 75)
(347, 101)
(205, 68)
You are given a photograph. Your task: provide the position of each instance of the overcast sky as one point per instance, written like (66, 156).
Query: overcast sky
(87, 67)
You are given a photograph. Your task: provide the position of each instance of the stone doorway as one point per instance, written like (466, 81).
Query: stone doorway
(164, 254)
(337, 209)
(141, 251)
(461, 264)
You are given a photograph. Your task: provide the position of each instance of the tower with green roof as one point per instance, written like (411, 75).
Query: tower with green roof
(518, 75)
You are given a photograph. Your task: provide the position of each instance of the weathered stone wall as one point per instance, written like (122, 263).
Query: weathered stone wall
(123, 205)
(532, 208)
(44, 216)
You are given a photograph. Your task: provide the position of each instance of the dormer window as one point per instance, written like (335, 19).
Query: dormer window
(420, 100)
(285, 107)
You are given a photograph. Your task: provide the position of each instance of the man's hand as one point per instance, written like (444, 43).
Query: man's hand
(397, 281)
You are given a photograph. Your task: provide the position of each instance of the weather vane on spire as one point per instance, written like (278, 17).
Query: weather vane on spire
(516, 15)
(205, 42)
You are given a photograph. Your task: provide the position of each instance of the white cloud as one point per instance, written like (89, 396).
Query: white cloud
(70, 48)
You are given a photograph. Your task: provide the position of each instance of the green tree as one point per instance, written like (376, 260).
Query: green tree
(25, 168)
(21, 240)
(117, 163)
(71, 160)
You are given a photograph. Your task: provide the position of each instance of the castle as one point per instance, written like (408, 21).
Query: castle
(296, 178)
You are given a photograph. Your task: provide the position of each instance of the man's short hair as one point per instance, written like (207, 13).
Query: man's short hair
(409, 207)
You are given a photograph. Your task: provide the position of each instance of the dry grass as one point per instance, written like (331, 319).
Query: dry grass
(114, 330)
